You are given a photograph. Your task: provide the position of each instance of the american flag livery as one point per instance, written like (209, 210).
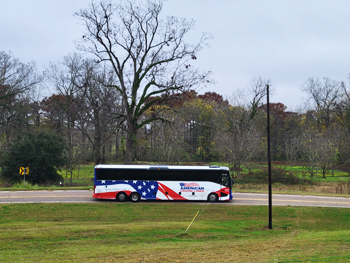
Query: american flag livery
(180, 182)
(153, 190)
(146, 189)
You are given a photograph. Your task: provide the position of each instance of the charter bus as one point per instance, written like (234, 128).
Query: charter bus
(160, 182)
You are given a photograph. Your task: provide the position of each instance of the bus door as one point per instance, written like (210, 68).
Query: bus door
(225, 185)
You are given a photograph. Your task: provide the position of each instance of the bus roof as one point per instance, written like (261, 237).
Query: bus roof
(161, 167)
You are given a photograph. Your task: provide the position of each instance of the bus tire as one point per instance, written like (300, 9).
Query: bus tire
(121, 197)
(213, 197)
(134, 197)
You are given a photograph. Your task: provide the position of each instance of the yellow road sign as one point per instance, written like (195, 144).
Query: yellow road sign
(23, 169)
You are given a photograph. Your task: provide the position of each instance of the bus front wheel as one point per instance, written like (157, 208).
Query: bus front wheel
(121, 197)
(213, 198)
(135, 197)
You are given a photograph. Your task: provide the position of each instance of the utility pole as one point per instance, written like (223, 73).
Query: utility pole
(269, 156)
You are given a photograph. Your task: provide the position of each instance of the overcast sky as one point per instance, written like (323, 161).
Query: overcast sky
(286, 41)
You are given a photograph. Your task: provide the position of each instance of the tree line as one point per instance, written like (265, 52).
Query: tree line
(135, 98)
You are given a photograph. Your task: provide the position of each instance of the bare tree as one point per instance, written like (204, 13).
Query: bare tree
(16, 80)
(318, 151)
(309, 152)
(88, 106)
(63, 76)
(242, 137)
(98, 106)
(149, 56)
(327, 152)
(292, 149)
(325, 94)
(343, 114)
(343, 108)
(14, 119)
(15, 77)
(200, 127)
(167, 141)
(252, 96)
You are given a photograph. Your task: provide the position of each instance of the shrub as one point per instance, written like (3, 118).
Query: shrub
(43, 152)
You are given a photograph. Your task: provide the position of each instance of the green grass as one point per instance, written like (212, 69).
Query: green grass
(85, 171)
(155, 232)
(339, 175)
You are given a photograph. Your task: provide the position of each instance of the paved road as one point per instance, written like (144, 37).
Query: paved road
(72, 196)
(292, 200)
(58, 196)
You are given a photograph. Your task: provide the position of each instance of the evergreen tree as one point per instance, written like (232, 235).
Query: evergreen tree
(42, 152)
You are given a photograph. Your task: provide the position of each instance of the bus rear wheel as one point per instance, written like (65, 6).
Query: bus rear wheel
(121, 197)
(213, 198)
(135, 197)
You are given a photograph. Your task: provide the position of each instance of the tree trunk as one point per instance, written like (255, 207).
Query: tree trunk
(117, 145)
(103, 158)
(70, 149)
(130, 142)
(97, 139)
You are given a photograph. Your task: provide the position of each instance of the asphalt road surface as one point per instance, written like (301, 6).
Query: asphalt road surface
(80, 196)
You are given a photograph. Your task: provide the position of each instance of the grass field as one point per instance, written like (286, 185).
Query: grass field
(143, 232)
